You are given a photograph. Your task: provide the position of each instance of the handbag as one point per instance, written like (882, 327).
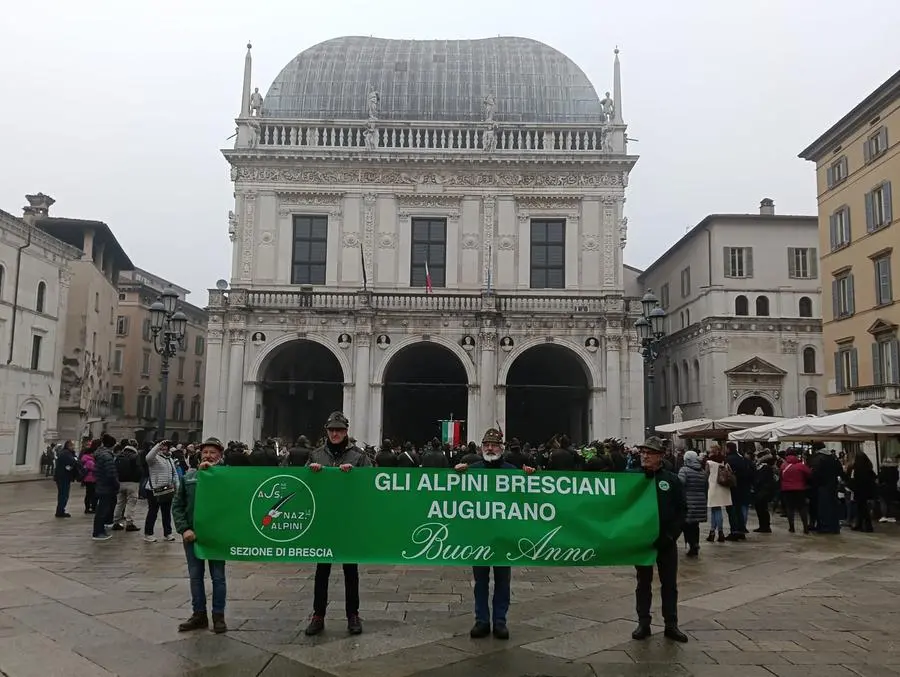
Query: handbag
(167, 489)
(725, 476)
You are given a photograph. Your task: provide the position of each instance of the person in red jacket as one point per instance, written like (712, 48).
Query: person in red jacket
(795, 475)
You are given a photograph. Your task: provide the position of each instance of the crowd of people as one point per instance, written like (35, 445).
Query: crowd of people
(825, 490)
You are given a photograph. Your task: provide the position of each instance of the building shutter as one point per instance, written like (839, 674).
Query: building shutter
(888, 283)
(847, 222)
(792, 267)
(843, 163)
(726, 251)
(838, 374)
(813, 255)
(867, 151)
(888, 207)
(895, 362)
(748, 261)
(870, 213)
(829, 176)
(877, 376)
(835, 301)
(884, 138)
(851, 296)
(854, 368)
(832, 231)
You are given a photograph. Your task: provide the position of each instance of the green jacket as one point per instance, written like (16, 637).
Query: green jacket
(183, 503)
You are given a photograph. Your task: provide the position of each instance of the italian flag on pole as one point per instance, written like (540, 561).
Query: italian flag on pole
(428, 288)
(451, 432)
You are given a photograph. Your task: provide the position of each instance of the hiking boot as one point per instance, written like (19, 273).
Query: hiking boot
(354, 625)
(676, 635)
(721, 537)
(642, 631)
(219, 624)
(197, 621)
(501, 631)
(316, 625)
(711, 537)
(480, 630)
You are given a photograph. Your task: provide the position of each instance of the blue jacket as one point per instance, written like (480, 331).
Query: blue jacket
(105, 472)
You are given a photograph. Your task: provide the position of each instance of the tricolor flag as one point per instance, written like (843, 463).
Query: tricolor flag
(428, 288)
(451, 432)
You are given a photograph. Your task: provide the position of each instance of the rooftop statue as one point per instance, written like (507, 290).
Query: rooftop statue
(608, 108)
(372, 100)
(256, 103)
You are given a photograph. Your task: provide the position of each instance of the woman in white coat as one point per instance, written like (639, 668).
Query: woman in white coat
(718, 496)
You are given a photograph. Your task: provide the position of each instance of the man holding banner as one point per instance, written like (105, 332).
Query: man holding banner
(672, 502)
(492, 458)
(337, 451)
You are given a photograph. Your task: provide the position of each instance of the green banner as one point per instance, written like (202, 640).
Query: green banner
(425, 516)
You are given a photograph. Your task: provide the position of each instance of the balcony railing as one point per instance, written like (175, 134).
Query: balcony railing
(886, 394)
(402, 302)
(438, 136)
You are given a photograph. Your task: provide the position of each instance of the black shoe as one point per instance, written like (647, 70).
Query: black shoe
(132, 527)
(721, 537)
(480, 630)
(693, 552)
(676, 635)
(501, 631)
(762, 531)
(218, 621)
(197, 621)
(791, 530)
(65, 514)
(316, 625)
(354, 625)
(118, 527)
(711, 537)
(642, 631)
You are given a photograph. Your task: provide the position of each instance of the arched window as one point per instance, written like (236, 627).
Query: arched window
(41, 294)
(811, 402)
(809, 360)
(741, 306)
(805, 306)
(696, 381)
(762, 306)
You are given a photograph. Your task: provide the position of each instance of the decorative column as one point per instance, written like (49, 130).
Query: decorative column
(473, 424)
(598, 429)
(613, 423)
(376, 402)
(236, 337)
(214, 397)
(361, 413)
(487, 377)
(499, 398)
(247, 228)
(251, 413)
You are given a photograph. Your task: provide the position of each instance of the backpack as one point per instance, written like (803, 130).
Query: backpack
(725, 477)
(125, 462)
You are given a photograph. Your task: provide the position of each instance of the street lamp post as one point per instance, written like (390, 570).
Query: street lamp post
(167, 326)
(651, 328)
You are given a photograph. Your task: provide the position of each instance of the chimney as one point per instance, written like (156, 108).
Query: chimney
(767, 207)
(38, 208)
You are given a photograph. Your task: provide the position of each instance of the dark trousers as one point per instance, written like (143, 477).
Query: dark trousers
(794, 503)
(158, 507)
(502, 580)
(197, 572)
(106, 505)
(63, 487)
(828, 517)
(736, 523)
(90, 496)
(667, 566)
(692, 535)
(351, 589)
(762, 514)
(863, 516)
(812, 496)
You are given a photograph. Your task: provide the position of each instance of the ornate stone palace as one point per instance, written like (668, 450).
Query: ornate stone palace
(423, 231)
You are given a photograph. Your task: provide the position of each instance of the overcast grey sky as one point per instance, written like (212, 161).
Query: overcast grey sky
(118, 109)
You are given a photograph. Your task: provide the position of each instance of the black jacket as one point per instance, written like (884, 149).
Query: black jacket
(105, 472)
(672, 504)
(745, 473)
(65, 466)
(128, 467)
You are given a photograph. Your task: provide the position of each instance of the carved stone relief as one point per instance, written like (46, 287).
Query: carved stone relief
(386, 240)
(590, 243)
(470, 241)
(369, 200)
(351, 240)
(506, 243)
(247, 236)
(488, 204)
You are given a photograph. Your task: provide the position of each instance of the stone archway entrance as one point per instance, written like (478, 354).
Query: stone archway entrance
(301, 384)
(424, 383)
(754, 402)
(547, 394)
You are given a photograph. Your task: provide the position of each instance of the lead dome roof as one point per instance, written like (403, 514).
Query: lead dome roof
(433, 80)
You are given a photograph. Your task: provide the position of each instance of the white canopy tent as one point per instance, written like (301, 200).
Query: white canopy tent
(719, 428)
(856, 424)
(764, 433)
(677, 426)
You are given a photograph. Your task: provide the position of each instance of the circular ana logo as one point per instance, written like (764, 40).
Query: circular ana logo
(282, 508)
(664, 485)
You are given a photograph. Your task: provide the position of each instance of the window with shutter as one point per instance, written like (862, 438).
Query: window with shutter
(883, 287)
(829, 176)
(838, 372)
(813, 263)
(877, 375)
(894, 348)
(854, 368)
(792, 264)
(832, 231)
(748, 261)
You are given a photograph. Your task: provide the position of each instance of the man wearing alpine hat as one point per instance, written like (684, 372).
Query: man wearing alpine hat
(491, 459)
(211, 453)
(672, 502)
(336, 452)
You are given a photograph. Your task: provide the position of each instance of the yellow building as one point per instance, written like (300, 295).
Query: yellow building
(857, 162)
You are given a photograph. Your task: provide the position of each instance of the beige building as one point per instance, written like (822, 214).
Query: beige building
(743, 329)
(84, 383)
(857, 162)
(137, 366)
(492, 168)
(35, 275)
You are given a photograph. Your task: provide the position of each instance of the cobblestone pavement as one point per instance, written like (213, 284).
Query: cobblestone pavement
(780, 604)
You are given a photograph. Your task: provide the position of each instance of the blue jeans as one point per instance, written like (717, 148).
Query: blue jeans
(63, 487)
(196, 572)
(716, 519)
(502, 578)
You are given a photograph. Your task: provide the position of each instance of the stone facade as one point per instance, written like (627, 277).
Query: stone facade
(744, 330)
(35, 276)
(487, 183)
